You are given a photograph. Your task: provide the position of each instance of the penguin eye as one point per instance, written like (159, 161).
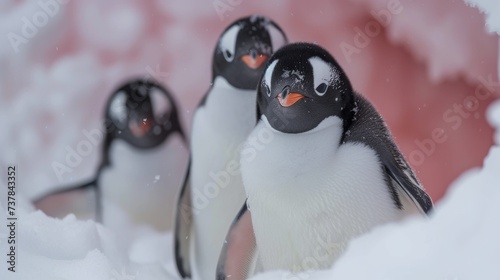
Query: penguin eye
(227, 42)
(324, 73)
(228, 55)
(321, 89)
(267, 90)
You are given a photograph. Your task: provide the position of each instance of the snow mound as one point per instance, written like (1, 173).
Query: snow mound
(492, 10)
(49, 248)
(493, 115)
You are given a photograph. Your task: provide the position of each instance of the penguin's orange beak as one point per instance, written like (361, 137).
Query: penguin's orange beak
(254, 61)
(140, 128)
(290, 99)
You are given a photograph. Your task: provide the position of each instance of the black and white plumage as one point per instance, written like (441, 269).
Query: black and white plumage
(213, 191)
(141, 139)
(328, 169)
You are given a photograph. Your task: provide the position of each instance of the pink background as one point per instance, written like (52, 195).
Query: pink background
(430, 56)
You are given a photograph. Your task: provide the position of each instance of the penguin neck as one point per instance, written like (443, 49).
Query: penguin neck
(228, 107)
(316, 147)
(123, 159)
(221, 83)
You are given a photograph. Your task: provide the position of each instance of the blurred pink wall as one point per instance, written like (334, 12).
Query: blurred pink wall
(418, 65)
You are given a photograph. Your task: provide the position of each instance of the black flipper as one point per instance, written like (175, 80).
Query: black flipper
(238, 258)
(366, 118)
(183, 226)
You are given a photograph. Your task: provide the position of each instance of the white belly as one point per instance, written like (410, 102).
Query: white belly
(308, 197)
(144, 183)
(219, 129)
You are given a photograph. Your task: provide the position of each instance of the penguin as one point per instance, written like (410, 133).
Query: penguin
(140, 162)
(213, 191)
(322, 170)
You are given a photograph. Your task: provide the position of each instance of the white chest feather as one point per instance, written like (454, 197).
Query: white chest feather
(145, 182)
(308, 196)
(221, 126)
(219, 129)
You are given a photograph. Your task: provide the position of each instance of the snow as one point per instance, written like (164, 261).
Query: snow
(492, 10)
(493, 115)
(121, 25)
(49, 248)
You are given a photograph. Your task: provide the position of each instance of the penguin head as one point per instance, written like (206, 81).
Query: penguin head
(303, 85)
(244, 48)
(142, 113)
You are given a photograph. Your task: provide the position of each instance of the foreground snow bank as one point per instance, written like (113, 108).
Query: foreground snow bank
(492, 10)
(49, 248)
(459, 241)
